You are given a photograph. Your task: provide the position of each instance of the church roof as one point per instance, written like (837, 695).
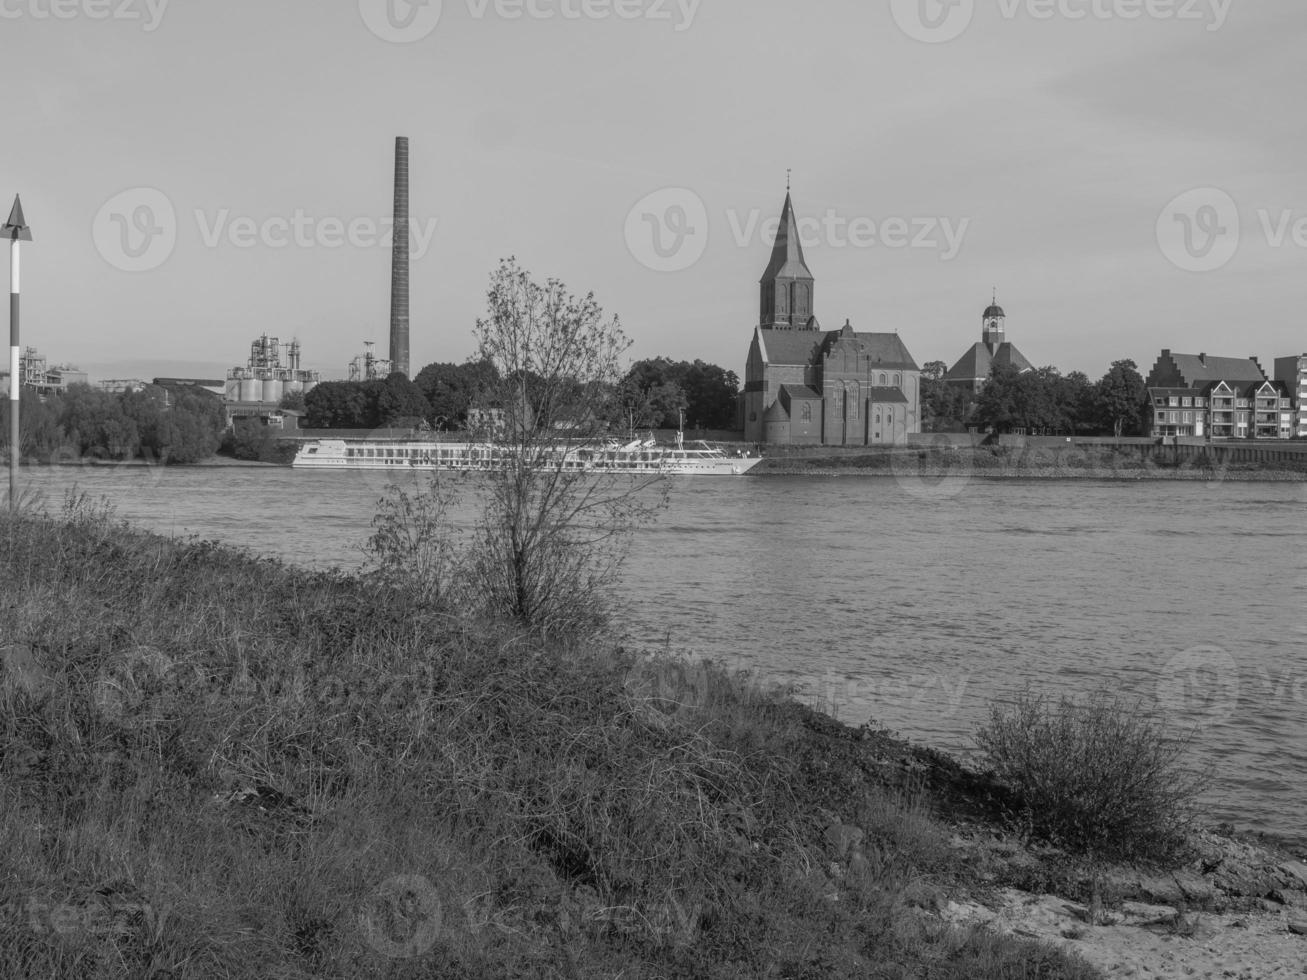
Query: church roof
(805, 346)
(801, 393)
(978, 361)
(776, 413)
(787, 260)
(994, 312)
(886, 396)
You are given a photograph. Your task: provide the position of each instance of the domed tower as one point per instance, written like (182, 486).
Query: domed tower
(995, 328)
(787, 285)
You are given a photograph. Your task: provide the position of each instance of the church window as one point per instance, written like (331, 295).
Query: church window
(889, 416)
(882, 381)
(806, 412)
(898, 381)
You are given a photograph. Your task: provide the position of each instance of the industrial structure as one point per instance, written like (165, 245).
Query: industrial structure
(274, 371)
(399, 264)
(35, 372)
(368, 367)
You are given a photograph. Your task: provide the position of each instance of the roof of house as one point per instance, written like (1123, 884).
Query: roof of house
(1197, 368)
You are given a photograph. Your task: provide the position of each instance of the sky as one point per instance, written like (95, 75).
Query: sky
(1128, 174)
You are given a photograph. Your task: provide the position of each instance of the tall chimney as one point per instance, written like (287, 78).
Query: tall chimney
(399, 264)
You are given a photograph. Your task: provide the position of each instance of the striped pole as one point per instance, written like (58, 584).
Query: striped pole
(17, 232)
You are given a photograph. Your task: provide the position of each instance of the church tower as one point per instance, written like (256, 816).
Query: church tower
(787, 285)
(995, 329)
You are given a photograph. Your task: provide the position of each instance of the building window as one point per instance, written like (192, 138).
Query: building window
(805, 413)
(898, 381)
(1186, 402)
(882, 381)
(889, 416)
(1161, 416)
(1174, 402)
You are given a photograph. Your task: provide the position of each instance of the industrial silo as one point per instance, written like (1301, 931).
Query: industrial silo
(251, 390)
(272, 391)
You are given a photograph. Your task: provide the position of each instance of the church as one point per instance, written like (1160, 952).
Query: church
(994, 350)
(805, 386)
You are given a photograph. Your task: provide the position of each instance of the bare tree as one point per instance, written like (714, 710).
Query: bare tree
(552, 536)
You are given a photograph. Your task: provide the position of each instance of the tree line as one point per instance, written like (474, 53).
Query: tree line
(1043, 401)
(652, 394)
(165, 425)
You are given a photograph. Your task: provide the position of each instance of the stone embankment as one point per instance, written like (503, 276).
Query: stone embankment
(1238, 910)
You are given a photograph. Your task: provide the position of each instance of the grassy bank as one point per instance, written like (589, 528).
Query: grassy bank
(1033, 463)
(214, 765)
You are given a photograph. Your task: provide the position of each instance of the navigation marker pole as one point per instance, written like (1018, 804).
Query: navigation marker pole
(16, 231)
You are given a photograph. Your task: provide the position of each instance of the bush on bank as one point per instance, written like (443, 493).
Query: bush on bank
(1103, 775)
(214, 765)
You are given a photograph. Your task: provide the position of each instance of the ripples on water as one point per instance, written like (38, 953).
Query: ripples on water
(915, 610)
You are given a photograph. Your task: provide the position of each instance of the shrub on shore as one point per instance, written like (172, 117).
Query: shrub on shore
(1103, 776)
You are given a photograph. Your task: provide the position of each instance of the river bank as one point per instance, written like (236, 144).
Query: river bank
(1071, 462)
(220, 765)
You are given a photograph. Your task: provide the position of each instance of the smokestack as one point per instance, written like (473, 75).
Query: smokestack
(399, 264)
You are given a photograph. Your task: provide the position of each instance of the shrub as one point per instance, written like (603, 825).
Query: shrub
(1102, 776)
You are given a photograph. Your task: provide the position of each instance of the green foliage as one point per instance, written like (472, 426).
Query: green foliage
(551, 538)
(655, 391)
(251, 440)
(450, 390)
(1102, 776)
(414, 548)
(462, 802)
(395, 401)
(1122, 400)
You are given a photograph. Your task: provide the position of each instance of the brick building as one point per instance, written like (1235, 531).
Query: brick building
(1194, 395)
(807, 386)
(1291, 373)
(994, 350)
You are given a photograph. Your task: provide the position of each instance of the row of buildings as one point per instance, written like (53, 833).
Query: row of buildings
(805, 385)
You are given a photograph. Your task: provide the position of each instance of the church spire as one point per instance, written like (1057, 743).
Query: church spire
(787, 283)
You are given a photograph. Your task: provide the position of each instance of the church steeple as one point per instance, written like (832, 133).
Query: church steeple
(787, 285)
(995, 329)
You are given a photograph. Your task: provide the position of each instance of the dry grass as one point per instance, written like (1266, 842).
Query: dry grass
(442, 798)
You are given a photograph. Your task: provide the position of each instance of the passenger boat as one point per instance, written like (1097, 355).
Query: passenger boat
(637, 457)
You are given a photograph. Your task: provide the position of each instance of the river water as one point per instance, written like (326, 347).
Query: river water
(912, 604)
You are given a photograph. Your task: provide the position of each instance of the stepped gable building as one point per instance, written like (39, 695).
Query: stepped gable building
(1194, 395)
(994, 350)
(807, 386)
(1291, 373)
